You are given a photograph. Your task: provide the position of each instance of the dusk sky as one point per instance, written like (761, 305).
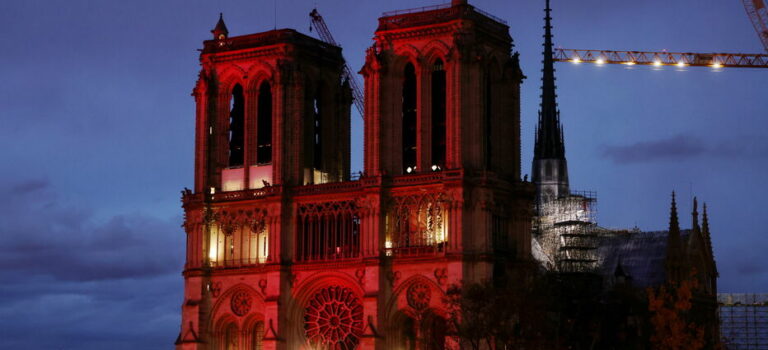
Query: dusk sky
(97, 121)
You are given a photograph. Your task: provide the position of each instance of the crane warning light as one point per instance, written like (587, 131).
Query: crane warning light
(576, 60)
(600, 61)
(657, 63)
(630, 63)
(681, 64)
(717, 65)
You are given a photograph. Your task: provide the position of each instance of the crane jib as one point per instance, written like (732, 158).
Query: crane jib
(325, 35)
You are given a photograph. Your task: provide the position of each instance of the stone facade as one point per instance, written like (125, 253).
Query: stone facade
(286, 250)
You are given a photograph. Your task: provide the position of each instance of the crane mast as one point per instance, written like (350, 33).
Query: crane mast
(757, 10)
(325, 34)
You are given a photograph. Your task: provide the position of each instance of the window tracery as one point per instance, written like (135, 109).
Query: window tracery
(238, 238)
(418, 295)
(241, 303)
(333, 319)
(416, 224)
(327, 231)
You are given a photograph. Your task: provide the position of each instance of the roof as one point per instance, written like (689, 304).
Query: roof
(268, 38)
(641, 255)
(443, 13)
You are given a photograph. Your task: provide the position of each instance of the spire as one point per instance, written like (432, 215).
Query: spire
(674, 224)
(674, 245)
(695, 216)
(707, 236)
(549, 143)
(550, 168)
(705, 222)
(220, 32)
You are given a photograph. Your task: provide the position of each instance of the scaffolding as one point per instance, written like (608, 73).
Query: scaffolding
(744, 321)
(567, 231)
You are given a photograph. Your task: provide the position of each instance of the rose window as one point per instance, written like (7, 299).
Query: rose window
(241, 303)
(334, 319)
(419, 295)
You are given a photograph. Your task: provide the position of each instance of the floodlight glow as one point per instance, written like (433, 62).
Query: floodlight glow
(657, 63)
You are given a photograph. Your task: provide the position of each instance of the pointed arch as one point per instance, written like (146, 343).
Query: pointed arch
(259, 72)
(405, 54)
(222, 308)
(226, 333)
(412, 321)
(253, 332)
(399, 299)
(403, 331)
(435, 49)
(231, 76)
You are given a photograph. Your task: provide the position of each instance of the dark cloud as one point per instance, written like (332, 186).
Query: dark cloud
(29, 186)
(675, 148)
(44, 236)
(749, 268)
(71, 280)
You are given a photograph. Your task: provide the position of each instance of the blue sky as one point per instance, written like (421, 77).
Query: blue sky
(97, 138)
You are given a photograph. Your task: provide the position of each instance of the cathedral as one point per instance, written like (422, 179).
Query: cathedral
(286, 249)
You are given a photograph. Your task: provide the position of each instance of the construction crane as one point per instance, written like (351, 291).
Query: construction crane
(357, 93)
(758, 13)
(757, 10)
(663, 58)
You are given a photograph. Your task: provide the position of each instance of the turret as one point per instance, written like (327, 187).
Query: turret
(220, 32)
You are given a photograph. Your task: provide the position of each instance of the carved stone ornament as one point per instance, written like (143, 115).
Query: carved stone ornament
(241, 303)
(215, 289)
(441, 275)
(263, 286)
(333, 319)
(393, 277)
(360, 274)
(419, 294)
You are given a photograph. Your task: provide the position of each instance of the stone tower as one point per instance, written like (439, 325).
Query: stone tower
(285, 251)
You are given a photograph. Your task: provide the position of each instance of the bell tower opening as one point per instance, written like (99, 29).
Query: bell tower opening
(236, 135)
(438, 115)
(264, 125)
(409, 119)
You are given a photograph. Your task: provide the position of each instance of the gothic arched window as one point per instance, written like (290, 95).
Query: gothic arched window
(409, 118)
(231, 341)
(264, 125)
(438, 115)
(257, 336)
(236, 135)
